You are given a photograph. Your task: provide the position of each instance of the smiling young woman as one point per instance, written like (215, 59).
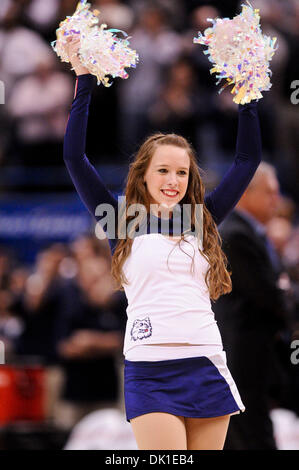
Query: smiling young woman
(179, 393)
(167, 175)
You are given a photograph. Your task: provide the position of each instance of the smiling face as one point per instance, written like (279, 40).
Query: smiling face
(167, 175)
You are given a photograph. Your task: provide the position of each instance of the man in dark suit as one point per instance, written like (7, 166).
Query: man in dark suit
(252, 314)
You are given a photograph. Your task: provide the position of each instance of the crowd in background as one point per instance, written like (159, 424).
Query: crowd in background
(63, 310)
(171, 88)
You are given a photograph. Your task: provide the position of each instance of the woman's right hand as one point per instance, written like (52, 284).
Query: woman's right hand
(72, 48)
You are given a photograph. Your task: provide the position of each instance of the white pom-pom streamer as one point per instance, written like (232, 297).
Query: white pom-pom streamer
(240, 54)
(101, 51)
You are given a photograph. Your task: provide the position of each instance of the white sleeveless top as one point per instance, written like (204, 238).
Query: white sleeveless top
(168, 303)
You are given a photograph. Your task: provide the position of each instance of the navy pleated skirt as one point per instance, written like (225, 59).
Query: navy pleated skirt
(196, 387)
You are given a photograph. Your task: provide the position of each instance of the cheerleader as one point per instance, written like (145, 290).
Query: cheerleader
(179, 393)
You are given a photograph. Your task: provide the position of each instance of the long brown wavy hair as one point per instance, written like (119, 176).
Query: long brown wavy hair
(217, 277)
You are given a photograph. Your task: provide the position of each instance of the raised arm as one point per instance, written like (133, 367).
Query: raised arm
(86, 179)
(248, 157)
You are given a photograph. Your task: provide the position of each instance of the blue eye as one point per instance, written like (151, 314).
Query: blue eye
(162, 169)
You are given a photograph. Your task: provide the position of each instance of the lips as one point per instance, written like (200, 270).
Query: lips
(170, 193)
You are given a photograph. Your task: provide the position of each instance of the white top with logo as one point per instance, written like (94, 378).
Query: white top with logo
(168, 300)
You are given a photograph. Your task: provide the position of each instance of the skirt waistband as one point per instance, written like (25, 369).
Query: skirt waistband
(154, 352)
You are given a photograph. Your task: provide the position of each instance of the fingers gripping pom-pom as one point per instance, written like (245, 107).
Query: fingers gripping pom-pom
(240, 54)
(101, 52)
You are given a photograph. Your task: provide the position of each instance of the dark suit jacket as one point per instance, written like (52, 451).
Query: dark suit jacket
(248, 319)
(255, 303)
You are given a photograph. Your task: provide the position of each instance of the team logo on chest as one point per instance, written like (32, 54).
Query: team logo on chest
(141, 329)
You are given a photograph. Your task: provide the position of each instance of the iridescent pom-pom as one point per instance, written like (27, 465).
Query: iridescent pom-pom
(101, 51)
(240, 54)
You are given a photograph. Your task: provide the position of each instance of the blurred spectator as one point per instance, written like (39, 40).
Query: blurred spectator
(279, 231)
(291, 253)
(4, 7)
(288, 130)
(42, 16)
(272, 15)
(21, 51)
(89, 337)
(158, 47)
(279, 19)
(176, 108)
(66, 315)
(11, 326)
(283, 235)
(5, 267)
(17, 281)
(199, 22)
(39, 105)
(175, 10)
(290, 257)
(280, 227)
(21, 48)
(252, 316)
(286, 208)
(88, 246)
(115, 14)
(39, 306)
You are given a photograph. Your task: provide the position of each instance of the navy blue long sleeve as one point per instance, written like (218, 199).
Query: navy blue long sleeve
(248, 157)
(92, 190)
(86, 179)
